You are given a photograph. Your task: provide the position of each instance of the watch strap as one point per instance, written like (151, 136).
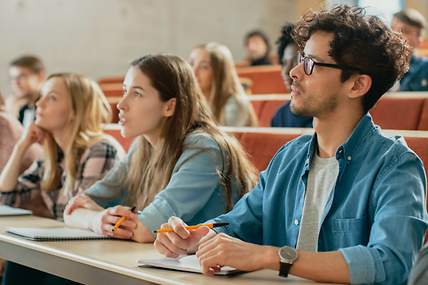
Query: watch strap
(284, 268)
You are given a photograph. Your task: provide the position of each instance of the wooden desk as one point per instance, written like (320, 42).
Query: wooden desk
(107, 261)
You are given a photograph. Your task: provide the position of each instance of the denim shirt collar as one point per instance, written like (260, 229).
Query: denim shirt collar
(364, 128)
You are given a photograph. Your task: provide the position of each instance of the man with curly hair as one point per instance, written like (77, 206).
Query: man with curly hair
(344, 205)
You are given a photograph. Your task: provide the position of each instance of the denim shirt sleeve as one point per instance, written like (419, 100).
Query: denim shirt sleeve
(194, 181)
(398, 199)
(246, 218)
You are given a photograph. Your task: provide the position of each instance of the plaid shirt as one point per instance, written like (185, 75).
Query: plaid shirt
(94, 163)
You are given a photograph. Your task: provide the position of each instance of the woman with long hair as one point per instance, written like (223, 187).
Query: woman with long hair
(181, 163)
(70, 114)
(69, 123)
(217, 77)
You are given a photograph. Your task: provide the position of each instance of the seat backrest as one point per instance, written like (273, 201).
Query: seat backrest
(261, 156)
(114, 131)
(261, 144)
(423, 120)
(265, 79)
(420, 146)
(398, 113)
(113, 101)
(111, 79)
(267, 105)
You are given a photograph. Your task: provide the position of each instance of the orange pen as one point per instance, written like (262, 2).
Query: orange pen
(214, 225)
(121, 220)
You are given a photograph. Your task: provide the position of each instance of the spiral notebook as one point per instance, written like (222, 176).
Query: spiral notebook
(8, 211)
(55, 234)
(187, 263)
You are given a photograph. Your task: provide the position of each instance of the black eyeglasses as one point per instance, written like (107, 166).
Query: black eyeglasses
(309, 63)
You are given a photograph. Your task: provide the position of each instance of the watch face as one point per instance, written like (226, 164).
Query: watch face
(288, 254)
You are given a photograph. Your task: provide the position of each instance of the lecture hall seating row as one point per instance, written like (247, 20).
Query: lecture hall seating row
(258, 80)
(398, 111)
(273, 138)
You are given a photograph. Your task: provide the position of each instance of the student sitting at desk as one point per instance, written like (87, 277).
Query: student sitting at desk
(69, 118)
(218, 79)
(10, 132)
(346, 205)
(70, 114)
(180, 164)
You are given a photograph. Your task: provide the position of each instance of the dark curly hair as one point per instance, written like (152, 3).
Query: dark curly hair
(260, 34)
(284, 39)
(362, 42)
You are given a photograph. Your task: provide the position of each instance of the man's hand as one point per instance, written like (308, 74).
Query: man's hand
(181, 241)
(224, 250)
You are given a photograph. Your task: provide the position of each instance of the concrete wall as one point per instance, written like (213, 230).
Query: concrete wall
(100, 37)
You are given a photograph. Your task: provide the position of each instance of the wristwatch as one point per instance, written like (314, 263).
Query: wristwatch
(287, 256)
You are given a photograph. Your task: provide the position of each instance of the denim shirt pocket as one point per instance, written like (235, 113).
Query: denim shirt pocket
(350, 231)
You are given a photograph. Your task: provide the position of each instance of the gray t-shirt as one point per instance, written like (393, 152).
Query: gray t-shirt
(419, 273)
(321, 180)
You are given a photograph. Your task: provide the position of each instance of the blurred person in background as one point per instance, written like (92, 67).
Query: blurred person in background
(410, 23)
(27, 74)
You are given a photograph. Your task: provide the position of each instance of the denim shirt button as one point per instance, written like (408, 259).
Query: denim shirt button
(296, 222)
(349, 158)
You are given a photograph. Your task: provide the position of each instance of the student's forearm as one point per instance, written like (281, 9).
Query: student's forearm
(317, 266)
(142, 234)
(11, 171)
(84, 218)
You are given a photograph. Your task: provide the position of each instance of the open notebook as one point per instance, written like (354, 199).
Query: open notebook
(55, 234)
(10, 211)
(187, 263)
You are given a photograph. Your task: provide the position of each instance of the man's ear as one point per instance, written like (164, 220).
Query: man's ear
(169, 107)
(360, 85)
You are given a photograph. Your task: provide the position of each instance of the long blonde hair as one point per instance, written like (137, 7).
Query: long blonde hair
(226, 83)
(150, 171)
(1, 102)
(91, 110)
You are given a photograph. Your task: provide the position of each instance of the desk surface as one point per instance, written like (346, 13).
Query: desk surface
(98, 262)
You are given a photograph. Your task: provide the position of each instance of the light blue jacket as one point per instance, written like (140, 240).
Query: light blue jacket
(193, 193)
(375, 215)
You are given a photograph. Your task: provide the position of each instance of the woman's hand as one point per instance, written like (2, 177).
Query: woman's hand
(32, 134)
(126, 229)
(81, 201)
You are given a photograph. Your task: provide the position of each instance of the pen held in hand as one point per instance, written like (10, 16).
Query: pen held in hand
(121, 220)
(214, 225)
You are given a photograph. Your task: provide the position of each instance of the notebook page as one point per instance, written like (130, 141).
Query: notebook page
(10, 211)
(189, 263)
(56, 233)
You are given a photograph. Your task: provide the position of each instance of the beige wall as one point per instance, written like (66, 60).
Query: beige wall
(421, 6)
(303, 6)
(100, 37)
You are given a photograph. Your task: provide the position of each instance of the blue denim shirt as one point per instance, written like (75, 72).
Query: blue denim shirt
(375, 215)
(416, 79)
